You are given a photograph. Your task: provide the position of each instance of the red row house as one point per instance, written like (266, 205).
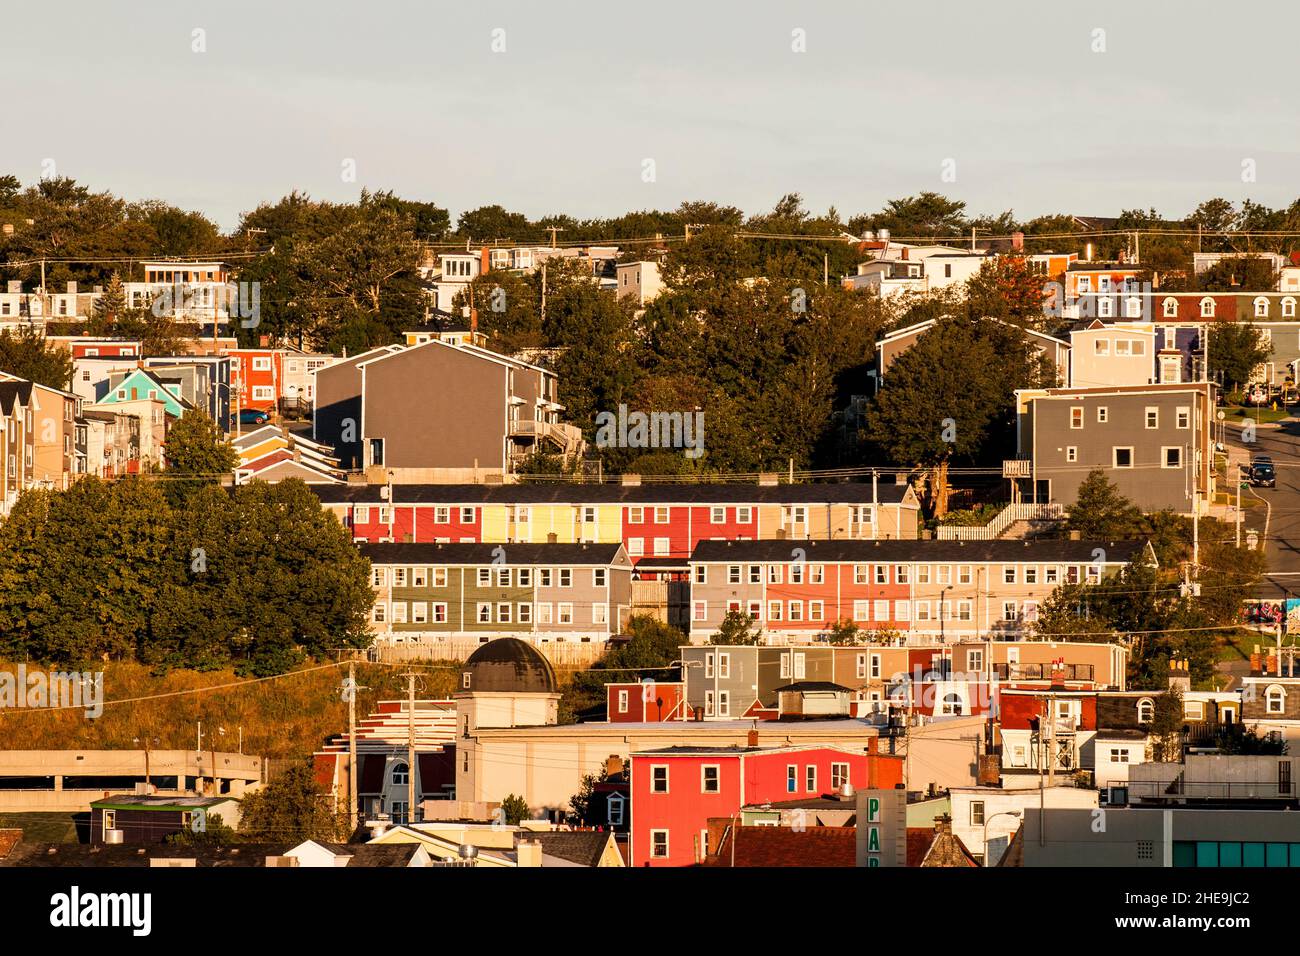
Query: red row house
(676, 790)
(659, 525)
(258, 377)
(647, 701)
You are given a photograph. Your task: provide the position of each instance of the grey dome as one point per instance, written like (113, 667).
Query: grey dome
(507, 665)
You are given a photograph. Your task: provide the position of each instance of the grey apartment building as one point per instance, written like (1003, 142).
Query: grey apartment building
(1152, 441)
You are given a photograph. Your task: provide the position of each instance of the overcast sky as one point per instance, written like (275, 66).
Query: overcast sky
(711, 91)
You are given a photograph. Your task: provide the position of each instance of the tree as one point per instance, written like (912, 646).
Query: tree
(214, 833)
(947, 395)
(844, 633)
(1007, 287)
(1238, 274)
(737, 628)
(1166, 727)
(112, 303)
(197, 446)
(291, 808)
(1101, 513)
(28, 355)
(507, 309)
(514, 810)
(1235, 350)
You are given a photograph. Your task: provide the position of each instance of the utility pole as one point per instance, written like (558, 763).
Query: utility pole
(1042, 794)
(410, 747)
(1051, 749)
(554, 230)
(198, 756)
(353, 809)
(543, 294)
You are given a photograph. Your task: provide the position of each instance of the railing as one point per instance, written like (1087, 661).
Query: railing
(1011, 672)
(1003, 520)
(1211, 790)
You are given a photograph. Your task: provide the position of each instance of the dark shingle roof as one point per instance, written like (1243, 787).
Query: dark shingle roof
(785, 846)
(80, 854)
(971, 552)
(486, 553)
(858, 492)
(583, 847)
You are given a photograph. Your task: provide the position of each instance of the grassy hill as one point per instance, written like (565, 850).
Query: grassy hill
(282, 718)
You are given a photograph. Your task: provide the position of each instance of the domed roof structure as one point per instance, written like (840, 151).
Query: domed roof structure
(507, 665)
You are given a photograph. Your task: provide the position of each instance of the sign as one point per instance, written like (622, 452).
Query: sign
(882, 828)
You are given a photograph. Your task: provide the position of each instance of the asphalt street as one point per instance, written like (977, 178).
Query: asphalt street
(1279, 510)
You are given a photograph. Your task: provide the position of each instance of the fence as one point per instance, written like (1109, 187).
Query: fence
(1004, 519)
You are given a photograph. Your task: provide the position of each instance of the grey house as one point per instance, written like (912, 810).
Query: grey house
(1152, 441)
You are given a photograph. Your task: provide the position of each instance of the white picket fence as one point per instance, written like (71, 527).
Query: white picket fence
(1004, 519)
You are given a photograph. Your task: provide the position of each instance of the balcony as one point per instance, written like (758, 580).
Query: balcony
(1069, 672)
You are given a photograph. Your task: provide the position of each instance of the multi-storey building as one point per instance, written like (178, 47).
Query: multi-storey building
(1152, 441)
(573, 592)
(659, 525)
(927, 591)
(676, 790)
(190, 291)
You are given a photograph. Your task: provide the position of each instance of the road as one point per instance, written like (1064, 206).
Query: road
(1281, 508)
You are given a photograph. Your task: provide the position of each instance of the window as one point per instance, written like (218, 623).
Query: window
(1072, 453)
(1146, 710)
(485, 577)
(419, 612)
(399, 613)
(401, 775)
(882, 574)
(1009, 611)
(861, 612)
(662, 547)
(622, 701)
(815, 610)
(566, 577)
(543, 577)
(1119, 755)
(901, 575)
(862, 667)
(439, 612)
(1170, 307)
(700, 611)
(659, 844)
(710, 781)
(1152, 417)
(636, 515)
(796, 610)
(839, 776)
(774, 610)
(977, 813)
(791, 779)
(744, 515)
(1076, 417)
(1171, 456)
(1008, 574)
(661, 515)
(1275, 700)
(861, 573)
(545, 613)
(1288, 308)
(441, 514)
(1207, 308)
(881, 610)
(1103, 414)
(377, 577)
(467, 515)
(565, 612)
(484, 613)
(733, 574)
(599, 577)
(810, 778)
(701, 574)
(1101, 346)
(503, 577)
(659, 778)
(755, 574)
(636, 547)
(1123, 457)
(1261, 307)
(524, 576)
(503, 613)
(717, 516)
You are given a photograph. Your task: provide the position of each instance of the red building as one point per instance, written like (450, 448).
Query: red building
(445, 524)
(96, 348)
(676, 790)
(646, 702)
(258, 377)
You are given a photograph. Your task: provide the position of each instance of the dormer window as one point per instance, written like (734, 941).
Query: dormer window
(1146, 710)
(1275, 699)
(1207, 308)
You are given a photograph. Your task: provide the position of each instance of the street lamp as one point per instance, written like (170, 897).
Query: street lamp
(1000, 813)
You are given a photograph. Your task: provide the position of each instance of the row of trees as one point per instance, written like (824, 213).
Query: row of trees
(258, 577)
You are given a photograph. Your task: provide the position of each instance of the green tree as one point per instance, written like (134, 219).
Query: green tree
(1166, 727)
(737, 628)
(1235, 350)
(1101, 513)
(214, 833)
(28, 355)
(844, 633)
(291, 808)
(197, 446)
(514, 810)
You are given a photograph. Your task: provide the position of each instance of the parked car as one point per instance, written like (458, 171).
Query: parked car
(1262, 474)
(251, 416)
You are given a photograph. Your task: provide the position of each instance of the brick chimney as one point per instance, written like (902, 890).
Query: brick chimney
(1018, 241)
(752, 739)
(528, 853)
(1180, 675)
(873, 745)
(1058, 672)
(613, 765)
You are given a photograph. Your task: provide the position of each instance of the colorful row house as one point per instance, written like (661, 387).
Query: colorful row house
(550, 592)
(922, 591)
(675, 791)
(659, 525)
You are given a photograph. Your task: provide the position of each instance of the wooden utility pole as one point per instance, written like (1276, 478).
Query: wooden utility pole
(353, 809)
(410, 746)
(554, 230)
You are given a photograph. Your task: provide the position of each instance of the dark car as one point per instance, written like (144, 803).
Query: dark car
(1261, 472)
(251, 416)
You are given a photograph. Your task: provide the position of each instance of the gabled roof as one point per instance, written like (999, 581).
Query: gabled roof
(583, 847)
(873, 551)
(701, 493)
(787, 847)
(506, 555)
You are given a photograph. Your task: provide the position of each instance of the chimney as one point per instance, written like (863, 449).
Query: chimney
(613, 765)
(264, 340)
(768, 479)
(873, 745)
(629, 480)
(752, 739)
(528, 853)
(485, 260)
(15, 286)
(1058, 672)
(1018, 241)
(1180, 675)
(72, 288)
(943, 825)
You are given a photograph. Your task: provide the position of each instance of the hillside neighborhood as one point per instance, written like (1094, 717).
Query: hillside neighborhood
(616, 551)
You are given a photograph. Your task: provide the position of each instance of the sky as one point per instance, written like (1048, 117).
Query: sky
(557, 106)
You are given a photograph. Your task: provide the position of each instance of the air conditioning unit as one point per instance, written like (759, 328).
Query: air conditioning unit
(113, 837)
